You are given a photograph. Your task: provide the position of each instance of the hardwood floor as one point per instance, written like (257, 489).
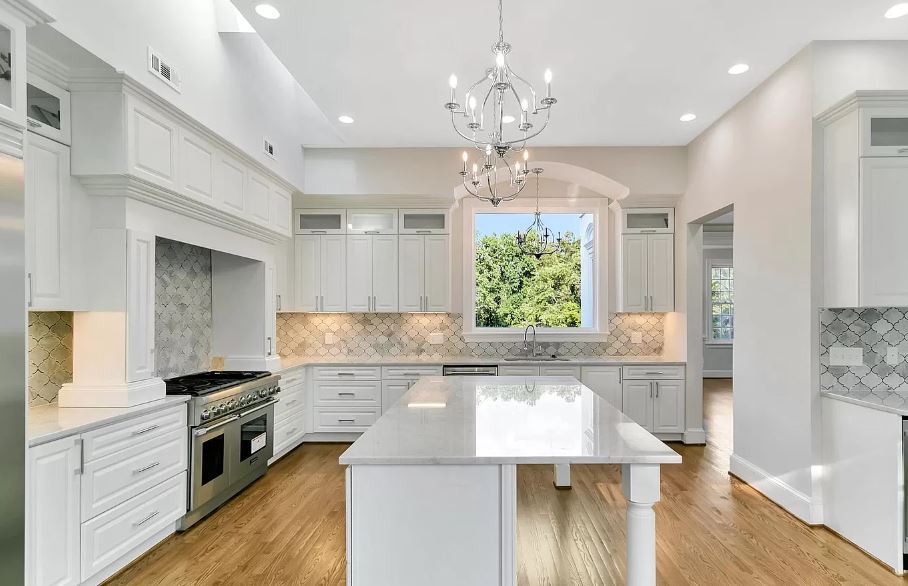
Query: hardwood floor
(288, 528)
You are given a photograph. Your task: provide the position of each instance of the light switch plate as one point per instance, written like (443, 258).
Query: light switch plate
(892, 356)
(636, 337)
(841, 356)
(436, 338)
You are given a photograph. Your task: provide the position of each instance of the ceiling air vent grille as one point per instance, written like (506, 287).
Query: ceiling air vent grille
(162, 69)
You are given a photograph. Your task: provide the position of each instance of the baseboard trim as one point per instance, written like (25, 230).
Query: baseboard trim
(695, 436)
(717, 374)
(776, 490)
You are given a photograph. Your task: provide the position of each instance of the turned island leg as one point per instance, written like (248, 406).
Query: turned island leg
(640, 485)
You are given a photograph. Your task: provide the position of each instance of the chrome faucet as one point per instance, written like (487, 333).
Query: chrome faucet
(526, 344)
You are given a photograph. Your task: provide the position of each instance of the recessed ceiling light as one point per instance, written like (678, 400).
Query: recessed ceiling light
(345, 119)
(897, 11)
(739, 68)
(266, 10)
(688, 117)
(507, 118)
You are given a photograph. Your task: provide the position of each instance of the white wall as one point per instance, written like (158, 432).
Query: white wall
(842, 67)
(232, 83)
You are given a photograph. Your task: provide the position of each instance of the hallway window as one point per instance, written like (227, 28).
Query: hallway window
(722, 302)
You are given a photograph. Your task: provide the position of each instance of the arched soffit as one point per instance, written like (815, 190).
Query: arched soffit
(572, 174)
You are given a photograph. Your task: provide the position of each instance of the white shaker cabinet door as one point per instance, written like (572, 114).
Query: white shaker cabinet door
(661, 277)
(634, 273)
(333, 273)
(307, 272)
(392, 391)
(411, 276)
(53, 521)
(638, 402)
(605, 381)
(359, 273)
(884, 239)
(384, 274)
(140, 248)
(668, 407)
(152, 146)
(437, 273)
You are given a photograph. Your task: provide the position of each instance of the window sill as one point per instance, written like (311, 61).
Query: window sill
(512, 336)
(719, 343)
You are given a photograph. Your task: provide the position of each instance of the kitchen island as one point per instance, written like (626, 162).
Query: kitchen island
(432, 485)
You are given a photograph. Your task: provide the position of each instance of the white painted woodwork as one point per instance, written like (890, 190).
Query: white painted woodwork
(53, 514)
(320, 221)
(140, 306)
(384, 274)
(126, 435)
(841, 206)
(197, 167)
(424, 221)
(49, 259)
(640, 485)
(637, 400)
(359, 273)
(345, 419)
(258, 197)
(635, 270)
(409, 372)
(562, 476)
(606, 381)
(372, 221)
(412, 271)
(230, 183)
(332, 276)
(437, 273)
(371, 273)
(647, 272)
(306, 272)
(283, 268)
(559, 370)
(281, 204)
(863, 478)
(647, 220)
(63, 134)
(884, 239)
(334, 373)
(153, 142)
(270, 333)
(653, 372)
(290, 400)
(661, 278)
(668, 407)
(518, 370)
(348, 393)
(392, 391)
(13, 107)
(884, 131)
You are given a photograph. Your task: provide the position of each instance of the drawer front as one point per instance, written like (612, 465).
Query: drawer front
(337, 420)
(551, 370)
(329, 373)
(297, 412)
(513, 370)
(288, 432)
(288, 402)
(121, 436)
(293, 377)
(111, 535)
(366, 393)
(653, 372)
(114, 479)
(408, 372)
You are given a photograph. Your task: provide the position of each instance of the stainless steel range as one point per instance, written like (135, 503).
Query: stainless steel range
(231, 433)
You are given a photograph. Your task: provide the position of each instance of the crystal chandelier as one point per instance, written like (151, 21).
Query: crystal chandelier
(489, 118)
(545, 241)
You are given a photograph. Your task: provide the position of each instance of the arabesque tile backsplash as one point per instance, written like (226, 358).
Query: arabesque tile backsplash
(50, 354)
(874, 330)
(405, 334)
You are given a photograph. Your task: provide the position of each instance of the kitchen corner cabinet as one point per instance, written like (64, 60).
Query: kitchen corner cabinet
(320, 272)
(48, 224)
(140, 250)
(648, 272)
(54, 517)
(424, 276)
(372, 279)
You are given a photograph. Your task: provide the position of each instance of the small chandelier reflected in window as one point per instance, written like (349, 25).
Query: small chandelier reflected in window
(537, 240)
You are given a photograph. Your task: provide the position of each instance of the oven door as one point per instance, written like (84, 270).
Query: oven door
(212, 453)
(254, 442)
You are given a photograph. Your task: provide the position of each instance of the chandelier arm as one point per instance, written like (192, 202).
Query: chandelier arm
(529, 86)
(529, 136)
(482, 111)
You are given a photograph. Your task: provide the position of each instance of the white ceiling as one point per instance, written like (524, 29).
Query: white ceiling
(624, 70)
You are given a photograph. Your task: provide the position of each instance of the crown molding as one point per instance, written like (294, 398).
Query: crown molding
(855, 100)
(43, 65)
(28, 12)
(373, 201)
(12, 140)
(127, 186)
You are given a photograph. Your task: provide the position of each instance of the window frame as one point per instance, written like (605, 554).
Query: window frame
(598, 208)
(717, 263)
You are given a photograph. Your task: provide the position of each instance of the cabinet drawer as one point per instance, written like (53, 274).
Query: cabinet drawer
(109, 481)
(408, 372)
(366, 393)
(347, 373)
(121, 436)
(514, 370)
(113, 534)
(551, 370)
(653, 372)
(340, 420)
(293, 377)
(296, 413)
(288, 431)
(288, 402)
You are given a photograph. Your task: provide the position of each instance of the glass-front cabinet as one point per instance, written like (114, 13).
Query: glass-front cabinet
(379, 221)
(425, 221)
(319, 221)
(47, 109)
(884, 132)
(12, 69)
(648, 220)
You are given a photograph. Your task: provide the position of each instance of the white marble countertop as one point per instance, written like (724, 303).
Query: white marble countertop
(505, 420)
(289, 362)
(47, 423)
(889, 401)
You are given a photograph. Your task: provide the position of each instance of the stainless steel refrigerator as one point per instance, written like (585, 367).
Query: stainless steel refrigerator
(13, 372)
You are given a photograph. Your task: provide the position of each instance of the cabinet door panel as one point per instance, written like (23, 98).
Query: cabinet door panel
(392, 391)
(140, 305)
(53, 549)
(638, 402)
(634, 272)
(332, 273)
(605, 381)
(280, 210)
(411, 276)
(668, 407)
(258, 194)
(152, 144)
(384, 274)
(230, 183)
(437, 274)
(884, 239)
(359, 273)
(661, 277)
(307, 273)
(196, 167)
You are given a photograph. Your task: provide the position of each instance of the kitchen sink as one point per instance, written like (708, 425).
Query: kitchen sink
(535, 359)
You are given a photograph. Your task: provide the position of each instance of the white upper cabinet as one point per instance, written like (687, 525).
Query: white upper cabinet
(648, 220)
(661, 265)
(153, 142)
(424, 274)
(372, 273)
(438, 271)
(384, 274)
(320, 272)
(197, 166)
(884, 132)
(884, 239)
(13, 90)
(48, 110)
(359, 273)
(647, 273)
(306, 273)
(270, 310)
(372, 221)
(320, 221)
(48, 250)
(140, 364)
(635, 267)
(426, 221)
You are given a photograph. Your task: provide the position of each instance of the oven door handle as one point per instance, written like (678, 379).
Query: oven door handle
(203, 430)
(268, 404)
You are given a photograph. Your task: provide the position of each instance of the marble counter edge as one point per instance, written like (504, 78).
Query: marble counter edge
(116, 415)
(499, 460)
(848, 398)
(472, 360)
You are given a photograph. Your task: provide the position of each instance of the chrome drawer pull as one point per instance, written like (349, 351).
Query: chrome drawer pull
(293, 402)
(412, 374)
(346, 421)
(146, 519)
(655, 372)
(144, 468)
(346, 374)
(346, 394)
(292, 431)
(146, 430)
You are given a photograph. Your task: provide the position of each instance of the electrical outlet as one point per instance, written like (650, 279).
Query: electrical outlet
(636, 337)
(436, 338)
(841, 356)
(892, 356)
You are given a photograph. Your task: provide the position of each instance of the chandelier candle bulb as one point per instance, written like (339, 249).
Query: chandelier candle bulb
(548, 83)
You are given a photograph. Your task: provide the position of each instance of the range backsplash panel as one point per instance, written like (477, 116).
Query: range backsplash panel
(50, 354)
(182, 309)
(372, 335)
(874, 330)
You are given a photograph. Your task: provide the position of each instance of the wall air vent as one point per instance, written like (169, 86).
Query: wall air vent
(163, 70)
(269, 148)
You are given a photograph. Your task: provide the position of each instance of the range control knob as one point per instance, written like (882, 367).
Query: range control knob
(263, 392)
(231, 404)
(206, 414)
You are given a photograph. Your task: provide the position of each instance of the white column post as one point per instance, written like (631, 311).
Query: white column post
(640, 485)
(563, 476)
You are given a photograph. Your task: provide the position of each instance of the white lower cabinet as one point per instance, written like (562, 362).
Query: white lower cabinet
(606, 381)
(657, 406)
(392, 391)
(99, 500)
(518, 370)
(290, 413)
